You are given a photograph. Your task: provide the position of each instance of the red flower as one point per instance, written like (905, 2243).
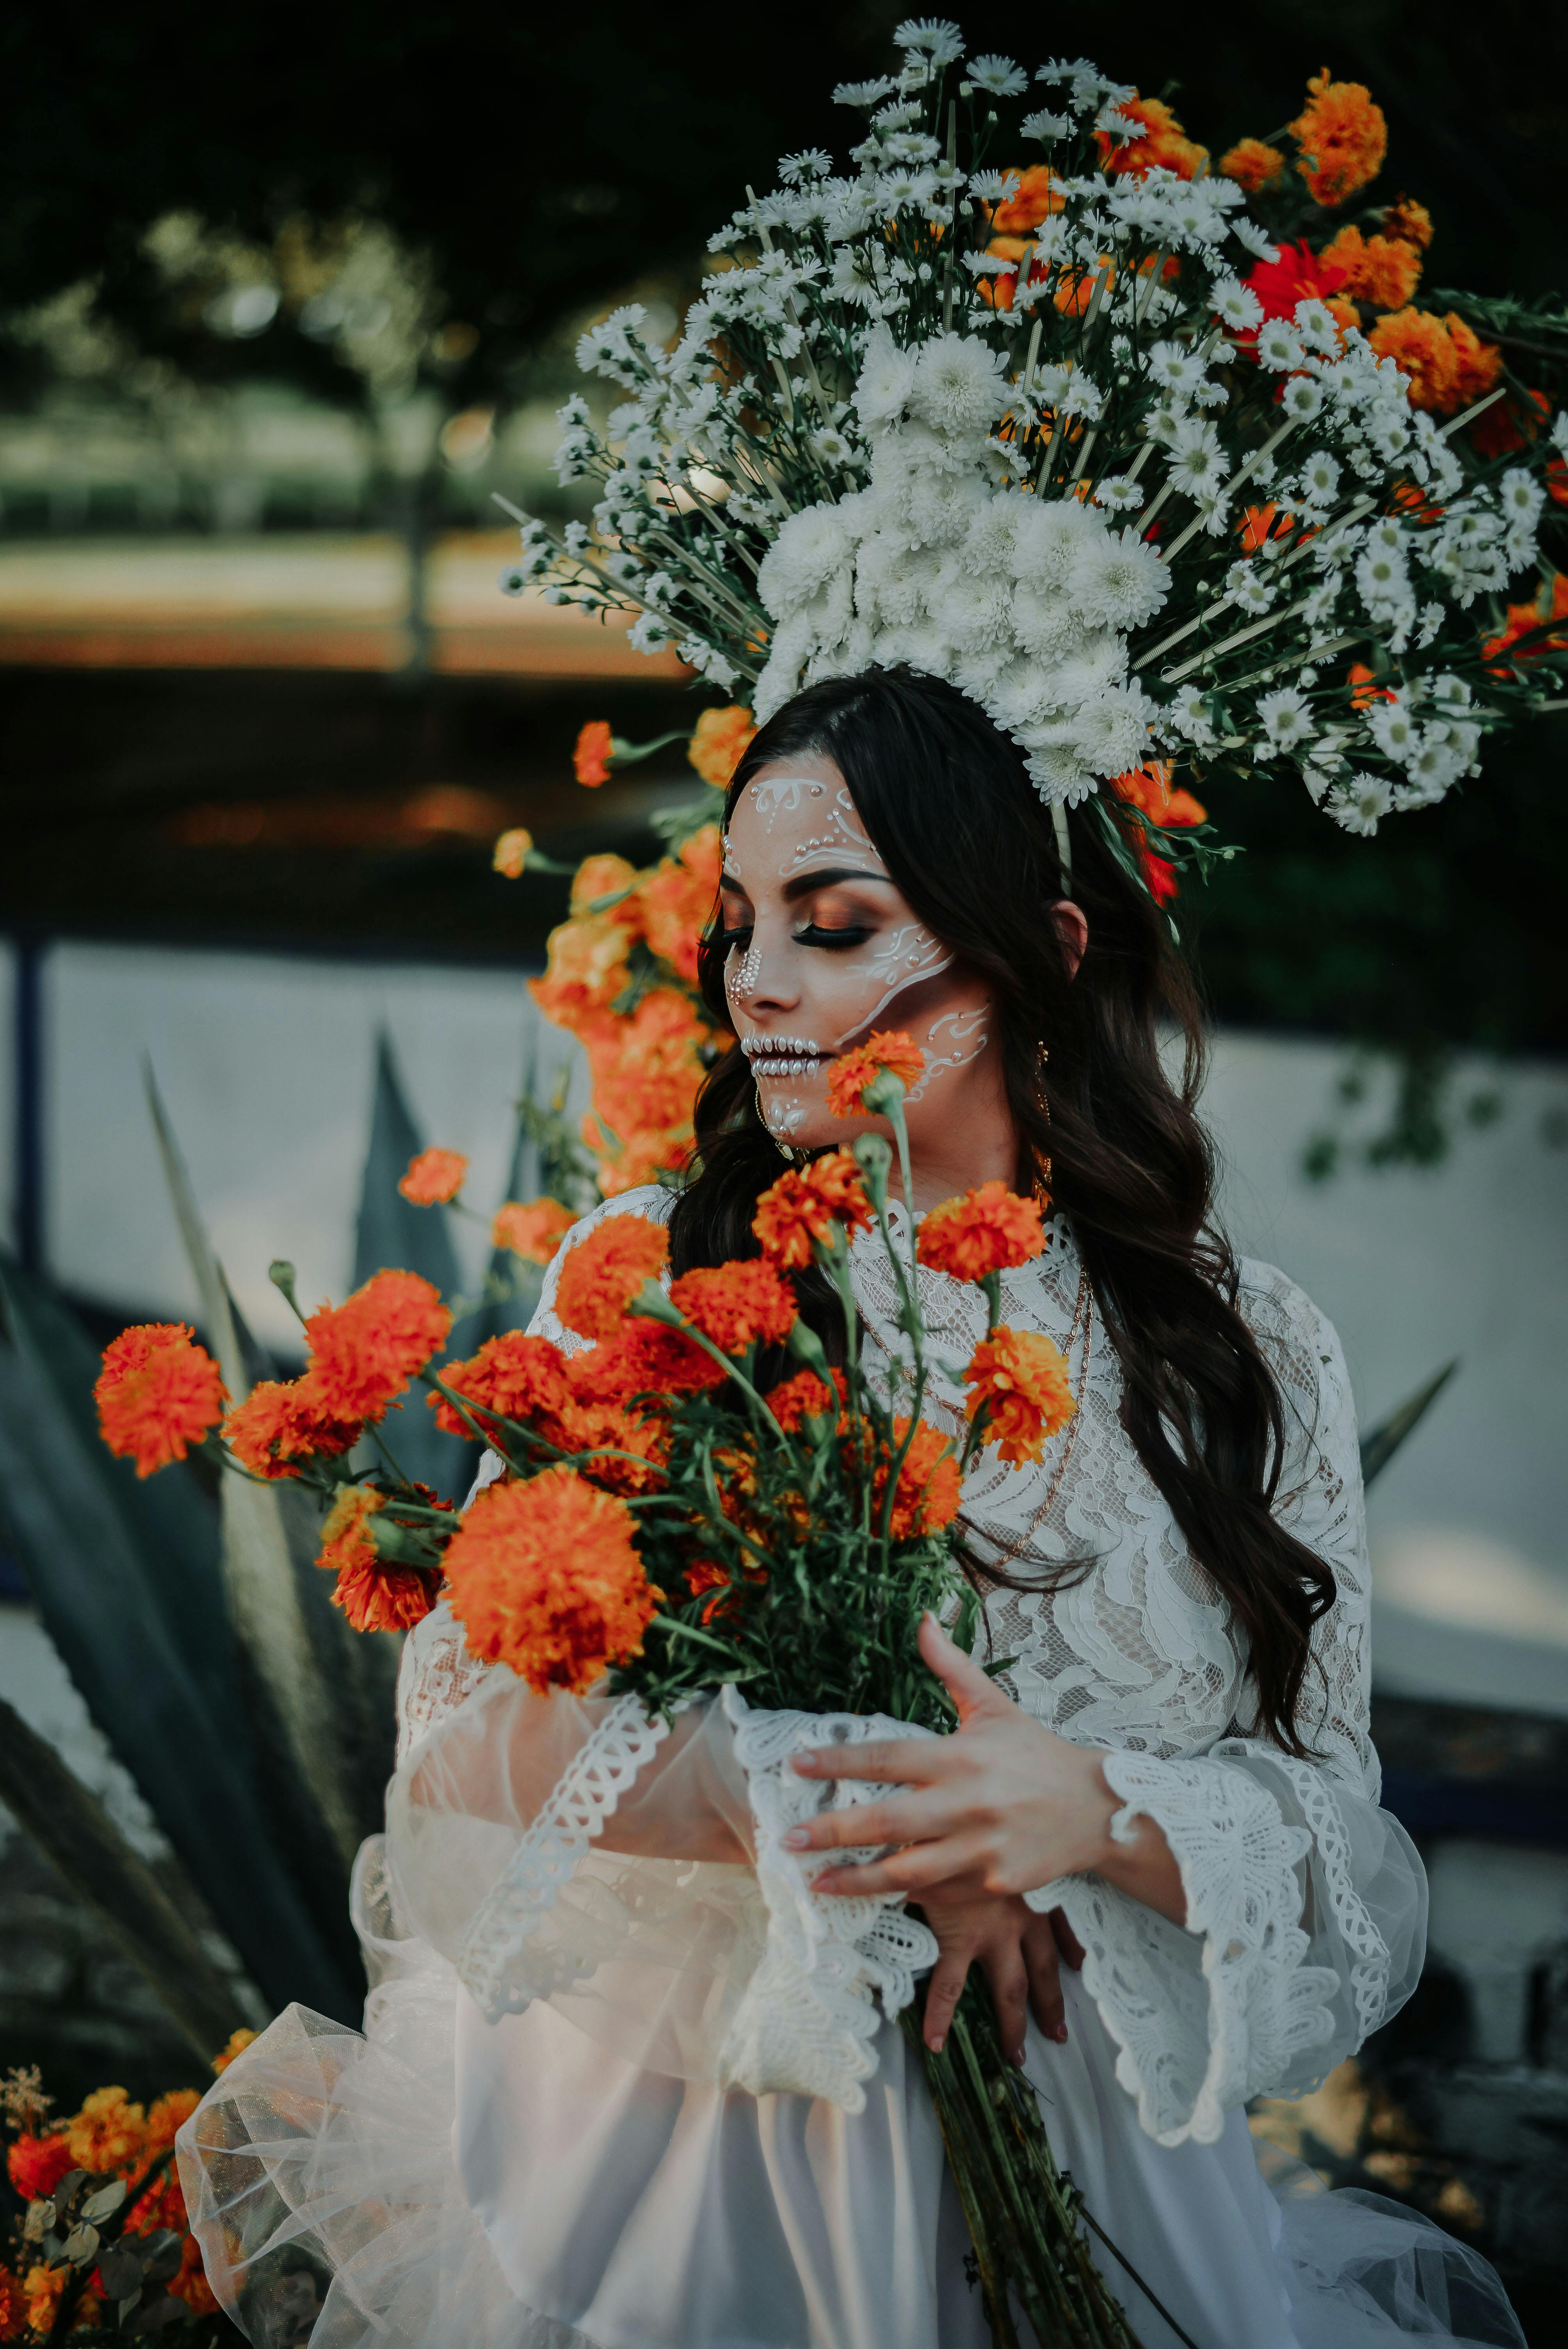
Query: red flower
(158, 1393)
(36, 2165)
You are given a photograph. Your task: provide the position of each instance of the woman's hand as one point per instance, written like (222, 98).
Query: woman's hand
(1018, 1951)
(1002, 1805)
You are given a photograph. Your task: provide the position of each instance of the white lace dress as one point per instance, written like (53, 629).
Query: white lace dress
(604, 2102)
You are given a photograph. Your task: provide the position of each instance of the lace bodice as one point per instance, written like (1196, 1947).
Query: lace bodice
(1305, 1903)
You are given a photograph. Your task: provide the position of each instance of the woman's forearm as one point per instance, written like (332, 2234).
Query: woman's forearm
(1145, 1869)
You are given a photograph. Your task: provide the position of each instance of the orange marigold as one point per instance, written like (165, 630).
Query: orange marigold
(376, 1593)
(1407, 218)
(1476, 367)
(719, 743)
(534, 1232)
(1383, 270)
(627, 1449)
(928, 1492)
(1021, 1380)
(545, 1577)
(606, 1269)
(433, 1177)
(1036, 196)
(1164, 145)
(852, 1072)
(235, 2044)
(598, 878)
(13, 2306)
(158, 1393)
(36, 2165)
(595, 749)
(736, 1305)
(511, 1377)
(644, 1358)
(1539, 612)
(281, 1423)
(43, 2287)
(799, 1208)
(168, 2115)
(1420, 344)
(108, 2133)
(988, 1230)
(585, 969)
(804, 1396)
(1343, 138)
(511, 853)
(1251, 163)
(364, 1351)
(677, 899)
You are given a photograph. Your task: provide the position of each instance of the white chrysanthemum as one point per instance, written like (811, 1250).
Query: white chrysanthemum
(998, 76)
(1392, 727)
(960, 386)
(1058, 774)
(886, 380)
(1021, 695)
(1360, 804)
(1236, 305)
(1285, 717)
(972, 605)
(917, 492)
(1048, 534)
(1436, 763)
(1279, 347)
(1096, 662)
(1117, 581)
(1044, 622)
(813, 547)
(1301, 400)
(1111, 732)
(894, 584)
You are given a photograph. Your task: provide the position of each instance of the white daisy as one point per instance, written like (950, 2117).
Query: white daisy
(1046, 126)
(1248, 233)
(1119, 493)
(1301, 398)
(1361, 803)
(864, 93)
(998, 76)
(1285, 717)
(1197, 463)
(1318, 483)
(930, 37)
(1279, 347)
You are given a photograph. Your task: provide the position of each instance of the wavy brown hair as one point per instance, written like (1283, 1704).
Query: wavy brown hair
(962, 831)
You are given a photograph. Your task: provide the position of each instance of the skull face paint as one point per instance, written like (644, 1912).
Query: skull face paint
(823, 947)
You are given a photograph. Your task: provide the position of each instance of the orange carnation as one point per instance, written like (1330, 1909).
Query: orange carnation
(36, 2165)
(1409, 221)
(1420, 344)
(736, 1305)
(644, 1358)
(280, 1423)
(719, 743)
(364, 1352)
(235, 2044)
(1383, 270)
(596, 748)
(1148, 789)
(376, 1593)
(158, 1393)
(511, 1377)
(605, 1271)
(852, 1072)
(800, 1208)
(805, 1396)
(1343, 138)
(545, 1577)
(1021, 1380)
(433, 1177)
(1036, 196)
(1164, 146)
(928, 1492)
(1251, 163)
(511, 853)
(14, 2321)
(676, 900)
(988, 1230)
(108, 2133)
(534, 1232)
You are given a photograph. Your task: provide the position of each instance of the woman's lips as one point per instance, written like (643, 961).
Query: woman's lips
(783, 1056)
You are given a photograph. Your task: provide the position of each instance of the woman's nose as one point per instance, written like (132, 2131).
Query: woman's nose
(756, 983)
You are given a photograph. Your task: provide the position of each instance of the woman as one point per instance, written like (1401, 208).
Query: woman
(1155, 1830)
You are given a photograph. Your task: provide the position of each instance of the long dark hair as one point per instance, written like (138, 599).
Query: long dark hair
(963, 832)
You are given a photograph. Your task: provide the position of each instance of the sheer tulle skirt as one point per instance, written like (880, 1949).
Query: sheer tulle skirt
(441, 2182)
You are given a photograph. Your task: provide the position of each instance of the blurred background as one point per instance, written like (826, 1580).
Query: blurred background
(285, 298)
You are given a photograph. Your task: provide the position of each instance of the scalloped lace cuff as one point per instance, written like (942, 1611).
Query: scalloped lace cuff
(1205, 2016)
(806, 2019)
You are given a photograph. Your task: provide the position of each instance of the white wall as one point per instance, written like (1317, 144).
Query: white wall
(265, 1064)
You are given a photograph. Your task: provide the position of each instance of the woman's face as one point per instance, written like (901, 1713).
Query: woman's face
(822, 947)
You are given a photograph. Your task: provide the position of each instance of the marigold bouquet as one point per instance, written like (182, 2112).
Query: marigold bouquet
(700, 1498)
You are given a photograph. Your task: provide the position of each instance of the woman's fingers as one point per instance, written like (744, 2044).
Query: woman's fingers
(973, 1690)
(914, 1869)
(944, 1991)
(1039, 1957)
(1003, 1966)
(1069, 1947)
(903, 1819)
(911, 1760)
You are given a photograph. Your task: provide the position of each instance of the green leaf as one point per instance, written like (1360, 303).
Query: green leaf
(1378, 1447)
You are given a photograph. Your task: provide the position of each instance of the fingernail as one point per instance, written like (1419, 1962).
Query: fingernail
(1060, 2035)
(806, 1763)
(935, 2045)
(1018, 2057)
(797, 1839)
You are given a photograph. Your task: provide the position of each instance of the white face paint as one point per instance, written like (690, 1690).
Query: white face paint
(827, 948)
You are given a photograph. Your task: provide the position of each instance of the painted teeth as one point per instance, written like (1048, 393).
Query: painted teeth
(782, 1056)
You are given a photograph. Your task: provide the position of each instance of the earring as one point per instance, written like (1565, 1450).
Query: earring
(1043, 1174)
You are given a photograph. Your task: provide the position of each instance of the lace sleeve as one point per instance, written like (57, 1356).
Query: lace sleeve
(1305, 1903)
(647, 1200)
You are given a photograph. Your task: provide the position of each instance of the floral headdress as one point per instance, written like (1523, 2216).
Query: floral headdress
(1155, 491)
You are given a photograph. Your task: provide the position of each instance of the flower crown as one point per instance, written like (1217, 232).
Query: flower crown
(1081, 438)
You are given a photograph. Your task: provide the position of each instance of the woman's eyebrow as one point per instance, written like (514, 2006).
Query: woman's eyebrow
(824, 876)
